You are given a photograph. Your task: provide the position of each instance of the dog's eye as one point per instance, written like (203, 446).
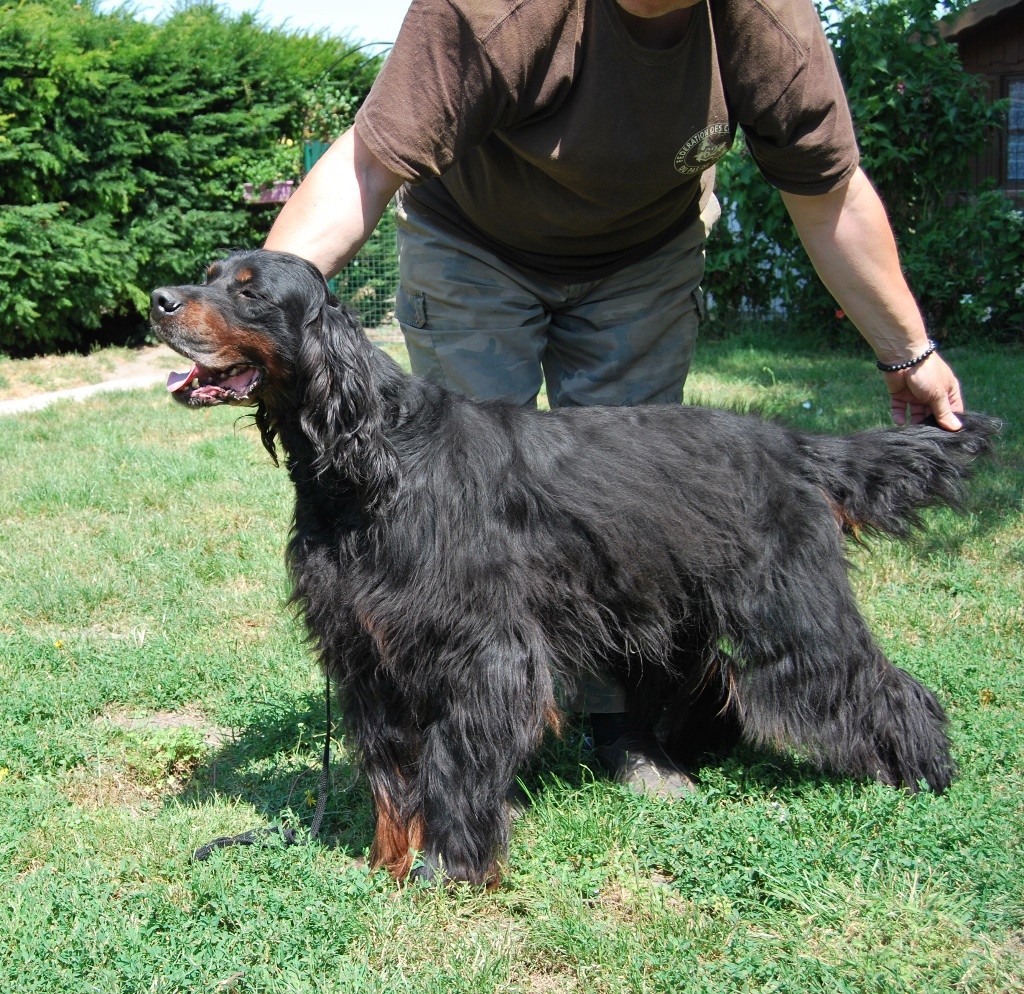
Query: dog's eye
(250, 294)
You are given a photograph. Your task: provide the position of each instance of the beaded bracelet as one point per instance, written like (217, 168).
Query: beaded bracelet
(898, 367)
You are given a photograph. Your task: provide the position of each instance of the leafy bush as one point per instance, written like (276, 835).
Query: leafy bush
(128, 143)
(42, 290)
(330, 105)
(755, 261)
(283, 161)
(967, 266)
(919, 118)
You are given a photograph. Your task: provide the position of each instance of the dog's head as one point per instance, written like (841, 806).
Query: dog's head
(241, 329)
(265, 331)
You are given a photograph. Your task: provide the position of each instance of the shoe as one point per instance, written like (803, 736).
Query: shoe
(517, 801)
(641, 764)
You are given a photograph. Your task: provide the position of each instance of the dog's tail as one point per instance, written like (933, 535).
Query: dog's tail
(879, 480)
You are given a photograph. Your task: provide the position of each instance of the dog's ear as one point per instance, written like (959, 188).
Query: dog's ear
(343, 411)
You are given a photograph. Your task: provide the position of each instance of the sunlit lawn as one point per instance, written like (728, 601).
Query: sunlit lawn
(156, 693)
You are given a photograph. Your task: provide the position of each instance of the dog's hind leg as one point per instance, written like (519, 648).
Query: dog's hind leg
(847, 708)
(688, 703)
(807, 673)
(869, 719)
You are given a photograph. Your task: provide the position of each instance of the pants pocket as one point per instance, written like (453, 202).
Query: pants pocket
(410, 307)
(700, 304)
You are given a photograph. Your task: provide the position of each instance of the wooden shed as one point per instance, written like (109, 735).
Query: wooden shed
(990, 37)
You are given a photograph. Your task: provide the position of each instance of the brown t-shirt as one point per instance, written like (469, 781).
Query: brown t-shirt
(541, 130)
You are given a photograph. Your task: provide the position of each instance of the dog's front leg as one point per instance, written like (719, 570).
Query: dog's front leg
(379, 725)
(464, 820)
(397, 837)
(491, 721)
(438, 808)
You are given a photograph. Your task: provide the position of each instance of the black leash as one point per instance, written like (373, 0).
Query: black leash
(287, 834)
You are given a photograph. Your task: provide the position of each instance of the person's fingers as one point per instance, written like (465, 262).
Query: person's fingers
(931, 390)
(943, 412)
(956, 398)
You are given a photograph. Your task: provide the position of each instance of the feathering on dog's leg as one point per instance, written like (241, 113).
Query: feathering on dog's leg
(850, 711)
(481, 736)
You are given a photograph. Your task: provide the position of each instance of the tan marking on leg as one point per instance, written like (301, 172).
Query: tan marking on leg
(553, 719)
(395, 842)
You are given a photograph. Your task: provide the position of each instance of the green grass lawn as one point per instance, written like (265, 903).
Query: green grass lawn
(156, 693)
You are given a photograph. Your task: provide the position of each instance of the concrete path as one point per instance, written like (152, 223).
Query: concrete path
(41, 400)
(141, 381)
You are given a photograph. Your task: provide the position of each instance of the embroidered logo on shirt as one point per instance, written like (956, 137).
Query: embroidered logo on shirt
(703, 150)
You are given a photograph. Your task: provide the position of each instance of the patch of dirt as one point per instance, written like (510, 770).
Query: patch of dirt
(107, 787)
(136, 775)
(148, 359)
(188, 717)
(551, 983)
(21, 378)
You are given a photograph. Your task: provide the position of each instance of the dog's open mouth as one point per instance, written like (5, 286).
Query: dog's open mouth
(201, 386)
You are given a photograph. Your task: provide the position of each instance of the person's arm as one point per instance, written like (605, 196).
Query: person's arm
(336, 207)
(847, 235)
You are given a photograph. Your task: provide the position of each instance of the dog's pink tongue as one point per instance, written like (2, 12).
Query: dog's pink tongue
(177, 381)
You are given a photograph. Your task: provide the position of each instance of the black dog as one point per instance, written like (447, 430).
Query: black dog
(460, 564)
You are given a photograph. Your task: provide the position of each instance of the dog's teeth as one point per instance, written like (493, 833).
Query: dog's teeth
(195, 383)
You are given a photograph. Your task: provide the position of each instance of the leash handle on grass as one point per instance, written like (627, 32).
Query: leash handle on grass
(287, 834)
(249, 838)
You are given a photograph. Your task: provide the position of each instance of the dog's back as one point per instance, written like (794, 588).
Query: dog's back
(666, 461)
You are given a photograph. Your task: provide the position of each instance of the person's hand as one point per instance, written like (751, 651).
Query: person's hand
(930, 388)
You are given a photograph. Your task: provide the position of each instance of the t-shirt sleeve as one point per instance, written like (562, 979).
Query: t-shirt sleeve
(794, 114)
(437, 94)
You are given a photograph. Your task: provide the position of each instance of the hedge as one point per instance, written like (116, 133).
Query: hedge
(124, 146)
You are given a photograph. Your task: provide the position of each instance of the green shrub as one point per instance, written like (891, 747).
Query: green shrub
(755, 261)
(129, 143)
(919, 118)
(967, 266)
(42, 290)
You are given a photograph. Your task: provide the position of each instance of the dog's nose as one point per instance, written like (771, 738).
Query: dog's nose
(164, 302)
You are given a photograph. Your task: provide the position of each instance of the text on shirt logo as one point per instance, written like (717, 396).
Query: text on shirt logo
(703, 150)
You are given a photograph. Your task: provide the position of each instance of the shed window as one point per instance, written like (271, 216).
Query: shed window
(1015, 131)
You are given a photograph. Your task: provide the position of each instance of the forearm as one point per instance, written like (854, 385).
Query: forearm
(847, 235)
(336, 207)
(848, 238)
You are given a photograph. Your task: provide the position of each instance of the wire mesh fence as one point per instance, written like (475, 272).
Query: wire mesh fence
(368, 283)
